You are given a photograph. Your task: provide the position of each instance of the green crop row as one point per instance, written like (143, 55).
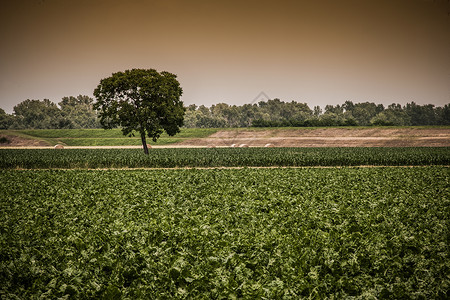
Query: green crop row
(220, 157)
(365, 233)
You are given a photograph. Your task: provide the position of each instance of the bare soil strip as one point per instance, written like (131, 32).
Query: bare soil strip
(329, 137)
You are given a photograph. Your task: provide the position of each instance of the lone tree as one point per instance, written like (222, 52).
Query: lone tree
(141, 100)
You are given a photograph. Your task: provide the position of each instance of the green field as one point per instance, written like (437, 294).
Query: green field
(220, 157)
(341, 232)
(313, 233)
(101, 137)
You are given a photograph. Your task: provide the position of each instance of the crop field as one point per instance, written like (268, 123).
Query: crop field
(220, 157)
(367, 233)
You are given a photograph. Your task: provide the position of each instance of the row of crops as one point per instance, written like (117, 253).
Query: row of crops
(220, 157)
(369, 233)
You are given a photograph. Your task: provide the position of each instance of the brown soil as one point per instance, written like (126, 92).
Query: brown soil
(304, 137)
(329, 137)
(16, 141)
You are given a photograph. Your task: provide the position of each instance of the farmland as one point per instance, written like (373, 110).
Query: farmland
(242, 233)
(225, 223)
(373, 136)
(221, 157)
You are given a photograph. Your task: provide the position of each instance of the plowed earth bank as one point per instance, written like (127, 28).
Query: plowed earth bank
(304, 137)
(18, 141)
(328, 137)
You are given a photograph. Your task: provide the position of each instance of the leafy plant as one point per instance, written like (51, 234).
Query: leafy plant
(221, 157)
(244, 233)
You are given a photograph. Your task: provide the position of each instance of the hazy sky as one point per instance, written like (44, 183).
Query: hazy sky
(314, 51)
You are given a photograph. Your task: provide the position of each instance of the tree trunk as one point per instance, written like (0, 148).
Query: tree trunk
(144, 143)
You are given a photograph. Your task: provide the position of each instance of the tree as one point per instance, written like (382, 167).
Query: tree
(348, 106)
(364, 112)
(141, 100)
(79, 111)
(444, 115)
(421, 114)
(6, 120)
(248, 112)
(317, 111)
(390, 117)
(36, 114)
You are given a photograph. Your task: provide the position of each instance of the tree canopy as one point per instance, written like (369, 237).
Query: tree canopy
(141, 100)
(275, 113)
(78, 112)
(72, 112)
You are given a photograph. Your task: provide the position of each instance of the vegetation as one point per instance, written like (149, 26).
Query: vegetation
(78, 113)
(73, 112)
(142, 101)
(113, 133)
(372, 233)
(252, 233)
(221, 157)
(101, 137)
(276, 113)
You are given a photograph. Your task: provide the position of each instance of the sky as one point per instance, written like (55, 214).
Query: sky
(317, 52)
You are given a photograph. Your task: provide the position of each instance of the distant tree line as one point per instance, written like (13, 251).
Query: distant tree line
(277, 113)
(78, 112)
(71, 112)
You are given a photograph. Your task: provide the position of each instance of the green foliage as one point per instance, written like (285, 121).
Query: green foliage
(113, 133)
(423, 114)
(36, 114)
(141, 100)
(220, 157)
(101, 137)
(277, 113)
(365, 233)
(134, 141)
(5, 120)
(39, 114)
(79, 111)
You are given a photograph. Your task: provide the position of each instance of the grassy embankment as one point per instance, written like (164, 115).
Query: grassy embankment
(101, 137)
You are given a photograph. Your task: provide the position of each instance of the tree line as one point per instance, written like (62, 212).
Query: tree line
(71, 112)
(79, 112)
(277, 113)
